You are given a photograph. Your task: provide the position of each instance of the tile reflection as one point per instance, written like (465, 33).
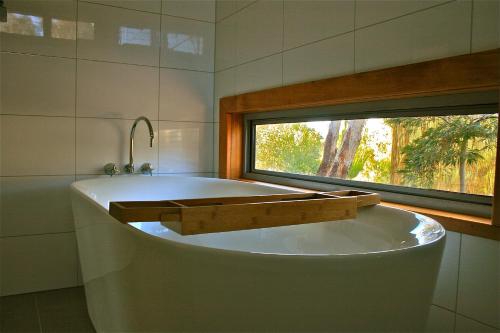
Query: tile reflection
(31, 25)
(134, 36)
(63, 29)
(86, 30)
(185, 43)
(21, 24)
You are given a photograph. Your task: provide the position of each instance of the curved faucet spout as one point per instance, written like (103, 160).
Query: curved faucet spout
(129, 168)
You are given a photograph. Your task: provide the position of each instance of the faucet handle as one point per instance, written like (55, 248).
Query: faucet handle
(130, 168)
(147, 169)
(111, 169)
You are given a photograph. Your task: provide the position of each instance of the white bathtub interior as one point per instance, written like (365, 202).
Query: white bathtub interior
(376, 229)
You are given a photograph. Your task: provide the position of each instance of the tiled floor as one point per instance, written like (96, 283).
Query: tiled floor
(63, 310)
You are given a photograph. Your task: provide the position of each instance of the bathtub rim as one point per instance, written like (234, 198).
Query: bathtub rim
(337, 256)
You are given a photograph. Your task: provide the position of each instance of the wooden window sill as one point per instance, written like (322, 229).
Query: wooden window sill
(465, 224)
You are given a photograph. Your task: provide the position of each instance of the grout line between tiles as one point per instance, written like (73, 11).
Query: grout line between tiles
(43, 175)
(104, 118)
(283, 43)
(477, 321)
(145, 11)
(77, 259)
(105, 61)
(214, 88)
(38, 314)
(354, 37)
(36, 55)
(404, 15)
(159, 93)
(76, 88)
(458, 280)
(471, 24)
(442, 307)
(154, 173)
(37, 235)
(235, 12)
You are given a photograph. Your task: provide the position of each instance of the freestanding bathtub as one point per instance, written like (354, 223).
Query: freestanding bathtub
(373, 273)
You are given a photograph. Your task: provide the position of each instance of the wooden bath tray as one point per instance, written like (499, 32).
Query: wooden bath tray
(199, 216)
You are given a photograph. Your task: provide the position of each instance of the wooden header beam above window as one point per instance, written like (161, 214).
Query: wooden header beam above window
(465, 73)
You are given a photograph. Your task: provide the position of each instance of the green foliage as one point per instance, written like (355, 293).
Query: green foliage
(293, 148)
(410, 124)
(454, 141)
(382, 171)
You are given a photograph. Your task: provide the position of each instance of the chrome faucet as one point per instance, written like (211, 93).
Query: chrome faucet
(146, 167)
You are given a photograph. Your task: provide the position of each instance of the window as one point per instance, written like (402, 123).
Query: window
(428, 149)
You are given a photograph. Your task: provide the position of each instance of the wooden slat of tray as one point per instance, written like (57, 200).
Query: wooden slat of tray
(208, 219)
(248, 199)
(363, 198)
(143, 211)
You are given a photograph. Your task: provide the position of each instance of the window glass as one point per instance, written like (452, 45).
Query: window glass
(451, 153)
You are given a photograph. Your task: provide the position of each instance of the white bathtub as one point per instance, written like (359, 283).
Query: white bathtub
(374, 273)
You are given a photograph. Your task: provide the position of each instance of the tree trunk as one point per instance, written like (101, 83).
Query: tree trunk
(330, 149)
(463, 152)
(347, 151)
(394, 154)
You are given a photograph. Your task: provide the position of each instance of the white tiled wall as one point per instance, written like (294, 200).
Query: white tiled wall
(67, 105)
(316, 39)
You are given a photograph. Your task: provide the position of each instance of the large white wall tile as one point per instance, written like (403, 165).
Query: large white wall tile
(485, 25)
(224, 8)
(374, 11)
(33, 263)
(36, 85)
(116, 34)
(479, 287)
(100, 141)
(153, 6)
(259, 74)
(186, 95)
(445, 294)
(466, 325)
(327, 58)
(225, 85)
(307, 21)
(37, 145)
(186, 147)
(187, 44)
(438, 32)
(225, 43)
(35, 205)
(40, 27)
(109, 90)
(440, 320)
(259, 30)
(203, 10)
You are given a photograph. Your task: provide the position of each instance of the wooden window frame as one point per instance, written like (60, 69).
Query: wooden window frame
(459, 74)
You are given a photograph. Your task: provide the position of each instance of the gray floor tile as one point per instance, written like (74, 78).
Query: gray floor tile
(18, 314)
(64, 310)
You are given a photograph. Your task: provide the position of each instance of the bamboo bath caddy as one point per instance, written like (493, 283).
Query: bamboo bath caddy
(207, 215)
